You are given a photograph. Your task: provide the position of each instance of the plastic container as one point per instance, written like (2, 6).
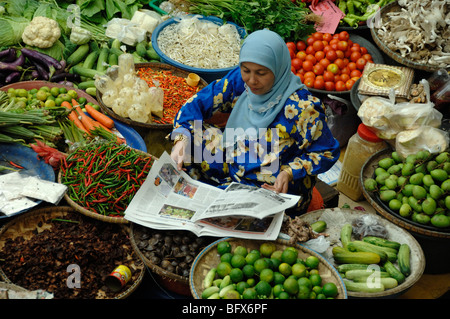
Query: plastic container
(361, 146)
(441, 98)
(438, 79)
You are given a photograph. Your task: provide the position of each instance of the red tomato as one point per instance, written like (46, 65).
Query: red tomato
(318, 45)
(309, 74)
(355, 73)
(332, 67)
(310, 40)
(343, 45)
(330, 86)
(340, 86)
(328, 76)
(363, 50)
(327, 37)
(301, 45)
(312, 58)
(291, 45)
(310, 49)
(349, 83)
(301, 55)
(309, 82)
(331, 55)
(345, 77)
(291, 53)
(361, 63)
(355, 56)
(318, 69)
(307, 65)
(296, 63)
(345, 70)
(367, 56)
(317, 35)
(355, 47)
(293, 70)
(340, 54)
(351, 66)
(344, 36)
(319, 84)
(325, 62)
(319, 55)
(301, 76)
(340, 63)
(327, 48)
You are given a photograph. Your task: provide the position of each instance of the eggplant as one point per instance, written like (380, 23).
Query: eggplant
(16, 65)
(8, 55)
(65, 76)
(43, 73)
(42, 58)
(12, 77)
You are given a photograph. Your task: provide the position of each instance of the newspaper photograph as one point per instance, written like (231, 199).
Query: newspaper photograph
(171, 199)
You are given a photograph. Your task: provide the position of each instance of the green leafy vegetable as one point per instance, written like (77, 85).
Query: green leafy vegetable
(11, 30)
(281, 16)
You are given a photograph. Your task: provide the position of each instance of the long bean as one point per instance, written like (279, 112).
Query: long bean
(103, 177)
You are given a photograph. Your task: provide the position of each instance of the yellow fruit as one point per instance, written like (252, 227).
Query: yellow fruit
(267, 248)
(285, 269)
(299, 270)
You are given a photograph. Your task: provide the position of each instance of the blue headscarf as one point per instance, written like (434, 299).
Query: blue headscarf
(266, 48)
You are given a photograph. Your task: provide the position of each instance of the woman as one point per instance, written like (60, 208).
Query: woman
(276, 136)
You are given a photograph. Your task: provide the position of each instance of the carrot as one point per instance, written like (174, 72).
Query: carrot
(73, 116)
(99, 116)
(85, 120)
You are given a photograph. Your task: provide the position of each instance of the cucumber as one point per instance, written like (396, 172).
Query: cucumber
(209, 278)
(141, 49)
(361, 246)
(209, 291)
(116, 44)
(102, 59)
(113, 59)
(382, 242)
(319, 226)
(86, 84)
(90, 60)
(403, 259)
(78, 55)
(89, 73)
(91, 91)
(224, 290)
(348, 257)
(387, 282)
(358, 273)
(394, 272)
(214, 296)
(346, 267)
(346, 234)
(152, 55)
(225, 281)
(362, 286)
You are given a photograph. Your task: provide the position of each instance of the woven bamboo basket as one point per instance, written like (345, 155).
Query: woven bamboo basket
(158, 67)
(209, 258)
(38, 220)
(395, 7)
(84, 211)
(337, 217)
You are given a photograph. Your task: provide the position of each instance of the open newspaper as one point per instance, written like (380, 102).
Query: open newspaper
(171, 199)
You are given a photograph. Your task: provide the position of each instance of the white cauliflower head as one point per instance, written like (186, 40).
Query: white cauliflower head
(41, 32)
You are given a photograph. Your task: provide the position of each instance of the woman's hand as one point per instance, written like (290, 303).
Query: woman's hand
(281, 183)
(177, 154)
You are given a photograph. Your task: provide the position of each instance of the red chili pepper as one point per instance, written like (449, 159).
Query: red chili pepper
(15, 165)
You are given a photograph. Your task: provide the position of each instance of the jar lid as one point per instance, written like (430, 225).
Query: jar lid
(367, 134)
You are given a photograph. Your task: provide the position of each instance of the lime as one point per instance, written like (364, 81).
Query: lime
(285, 269)
(299, 270)
(290, 285)
(305, 282)
(289, 256)
(260, 264)
(21, 92)
(317, 290)
(49, 103)
(223, 247)
(316, 279)
(267, 248)
(275, 263)
(82, 100)
(303, 292)
(312, 262)
(232, 294)
(241, 286)
(41, 95)
(226, 257)
(266, 275)
(64, 97)
(263, 289)
(73, 94)
(58, 101)
(223, 269)
(284, 295)
(241, 250)
(329, 289)
(251, 258)
(313, 272)
(237, 261)
(62, 90)
(276, 254)
(236, 275)
(278, 278)
(45, 88)
(321, 296)
(277, 289)
(54, 91)
(249, 293)
(249, 271)
(251, 282)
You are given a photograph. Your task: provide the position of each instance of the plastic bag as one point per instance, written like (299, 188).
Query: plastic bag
(319, 244)
(368, 225)
(427, 138)
(125, 31)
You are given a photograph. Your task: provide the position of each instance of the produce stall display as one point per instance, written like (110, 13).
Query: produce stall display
(88, 87)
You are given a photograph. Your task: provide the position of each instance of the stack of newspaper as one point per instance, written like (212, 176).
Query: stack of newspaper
(171, 199)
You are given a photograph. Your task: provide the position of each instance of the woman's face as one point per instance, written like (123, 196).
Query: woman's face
(257, 77)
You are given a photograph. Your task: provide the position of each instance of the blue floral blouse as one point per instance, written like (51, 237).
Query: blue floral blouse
(298, 137)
